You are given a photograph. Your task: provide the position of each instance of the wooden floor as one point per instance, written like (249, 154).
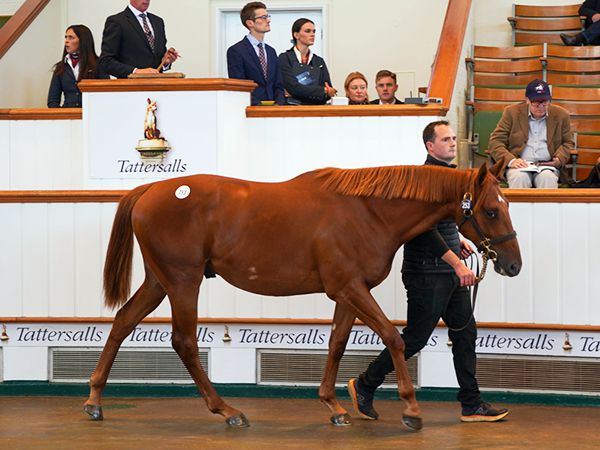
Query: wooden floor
(157, 423)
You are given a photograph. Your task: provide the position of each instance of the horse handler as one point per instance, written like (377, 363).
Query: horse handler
(436, 284)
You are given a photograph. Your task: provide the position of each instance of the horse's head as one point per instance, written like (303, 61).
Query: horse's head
(483, 218)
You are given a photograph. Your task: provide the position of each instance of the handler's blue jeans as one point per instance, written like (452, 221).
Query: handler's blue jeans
(431, 296)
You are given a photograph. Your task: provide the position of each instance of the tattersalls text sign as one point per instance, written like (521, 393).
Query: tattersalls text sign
(491, 341)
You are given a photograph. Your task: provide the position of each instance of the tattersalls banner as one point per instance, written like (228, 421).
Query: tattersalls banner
(150, 135)
(491, 341)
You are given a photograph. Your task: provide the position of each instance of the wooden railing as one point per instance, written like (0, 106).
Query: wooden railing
(17, 24)
(113, 196)
(40, 114)
(284, 321)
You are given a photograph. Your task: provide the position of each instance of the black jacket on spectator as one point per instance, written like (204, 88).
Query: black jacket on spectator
(125, 46)
(376, 102)
(588, 9)
(304, 83)
(66, 84)
(423, 253)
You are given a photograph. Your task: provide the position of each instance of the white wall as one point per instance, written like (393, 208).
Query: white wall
(8, 7)
(52, 259)
(24, 81)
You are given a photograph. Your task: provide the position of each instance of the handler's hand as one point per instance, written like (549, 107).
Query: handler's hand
(465, 275)
(465, 249)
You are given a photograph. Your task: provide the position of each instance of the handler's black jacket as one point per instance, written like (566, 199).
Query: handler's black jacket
(423, 253)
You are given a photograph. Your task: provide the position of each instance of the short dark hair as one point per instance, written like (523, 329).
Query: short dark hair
(247, 12)
(297, 26)
(385, 73)
(429, 131)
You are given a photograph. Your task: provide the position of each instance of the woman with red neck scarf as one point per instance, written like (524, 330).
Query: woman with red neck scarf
(79, 62)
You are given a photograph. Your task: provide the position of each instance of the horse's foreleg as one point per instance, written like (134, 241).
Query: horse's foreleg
(358, 297)
(340, 330)
(143, 302)
(184, 305)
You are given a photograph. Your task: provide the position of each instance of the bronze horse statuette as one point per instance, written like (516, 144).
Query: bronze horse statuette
(331, 230)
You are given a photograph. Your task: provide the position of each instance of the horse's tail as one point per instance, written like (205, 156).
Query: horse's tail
(117, 267)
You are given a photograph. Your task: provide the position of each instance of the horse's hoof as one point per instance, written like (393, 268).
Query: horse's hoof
(237, 421)
(95, 411)
(341, 420)
(412, 423)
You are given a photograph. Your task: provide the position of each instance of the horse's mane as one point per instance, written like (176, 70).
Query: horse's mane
(425, 183)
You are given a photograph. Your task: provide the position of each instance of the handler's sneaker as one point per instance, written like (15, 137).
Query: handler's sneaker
(362, 399)
(483, 413)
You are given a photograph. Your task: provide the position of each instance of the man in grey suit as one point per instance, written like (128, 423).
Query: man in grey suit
(134, 41)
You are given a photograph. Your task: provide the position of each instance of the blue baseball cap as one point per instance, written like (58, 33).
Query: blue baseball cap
(538, 90)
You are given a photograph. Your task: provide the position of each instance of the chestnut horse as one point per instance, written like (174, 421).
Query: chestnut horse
(331, 230)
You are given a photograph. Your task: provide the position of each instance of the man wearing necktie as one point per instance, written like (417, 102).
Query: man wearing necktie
(252, 59)
(134, 41)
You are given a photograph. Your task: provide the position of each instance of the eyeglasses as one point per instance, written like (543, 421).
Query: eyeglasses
(265, 17)
(540, 104)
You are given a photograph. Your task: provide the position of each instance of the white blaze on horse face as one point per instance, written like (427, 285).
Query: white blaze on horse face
(501, 199)
(182, 192)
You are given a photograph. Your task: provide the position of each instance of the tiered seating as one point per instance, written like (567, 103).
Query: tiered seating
(572, 66)
(584, 106)
(497, 76)
(537, 24)
(505, 66)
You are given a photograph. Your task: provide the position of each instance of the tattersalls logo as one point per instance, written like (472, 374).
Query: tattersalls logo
(153, 149)
(153, 146)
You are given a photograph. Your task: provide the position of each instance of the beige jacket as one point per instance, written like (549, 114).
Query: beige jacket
(508, 140)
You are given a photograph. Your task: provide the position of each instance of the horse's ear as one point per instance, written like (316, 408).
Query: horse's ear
(496, 169)
(482, 173)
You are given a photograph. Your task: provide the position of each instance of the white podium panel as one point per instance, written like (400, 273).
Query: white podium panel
(113, 123)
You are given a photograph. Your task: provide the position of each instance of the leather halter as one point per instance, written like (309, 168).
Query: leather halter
(485, 244)
(484, 247)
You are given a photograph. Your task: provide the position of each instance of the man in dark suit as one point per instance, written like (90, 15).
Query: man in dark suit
(252, 59)
(591, 36)
(134, 41)
(386, 85)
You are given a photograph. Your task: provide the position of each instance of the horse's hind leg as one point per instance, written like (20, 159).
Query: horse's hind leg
(184, 307)
(143, 302)
(343, 319)
(357, 297)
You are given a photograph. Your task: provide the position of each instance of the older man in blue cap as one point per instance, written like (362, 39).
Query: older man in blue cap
(533, 139)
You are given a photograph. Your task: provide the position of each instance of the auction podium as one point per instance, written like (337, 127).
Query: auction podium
(195, 117)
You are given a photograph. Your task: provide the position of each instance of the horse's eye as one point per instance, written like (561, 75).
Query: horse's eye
(491, 213)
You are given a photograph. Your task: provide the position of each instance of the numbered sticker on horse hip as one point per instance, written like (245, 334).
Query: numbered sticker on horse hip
(182, 192)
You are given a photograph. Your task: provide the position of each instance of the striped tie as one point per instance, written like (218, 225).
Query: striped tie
(147, 31)
(262, 59)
